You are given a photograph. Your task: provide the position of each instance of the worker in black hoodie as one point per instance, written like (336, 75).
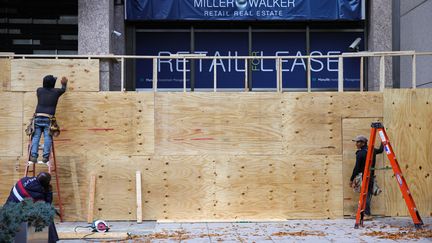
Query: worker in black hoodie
(45, 110)
(38, 189)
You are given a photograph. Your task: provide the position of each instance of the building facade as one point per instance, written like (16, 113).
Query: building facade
(145, 27)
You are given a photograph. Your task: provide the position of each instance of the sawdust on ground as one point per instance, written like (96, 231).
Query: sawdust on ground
(403, 234)
(302, 233)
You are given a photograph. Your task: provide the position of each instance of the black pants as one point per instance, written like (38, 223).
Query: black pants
(52, 233)
(369, 196)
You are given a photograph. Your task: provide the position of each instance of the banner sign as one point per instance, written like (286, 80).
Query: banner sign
(231, 72)
(244, 10)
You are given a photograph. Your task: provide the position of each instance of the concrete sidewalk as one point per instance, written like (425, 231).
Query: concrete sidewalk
(341, 230)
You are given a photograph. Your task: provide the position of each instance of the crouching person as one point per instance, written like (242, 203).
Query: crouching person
(38, 189)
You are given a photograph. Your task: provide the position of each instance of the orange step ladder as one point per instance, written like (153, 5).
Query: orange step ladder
(378, 127)
(52, 169)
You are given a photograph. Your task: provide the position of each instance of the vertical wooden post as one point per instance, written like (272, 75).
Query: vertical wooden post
(246, 75)
(361, 74)
(340, 75)
(309, 77)
(184, 74)
(92, 190)
(139, 197)
(382, 74)
(277, 75)
(155, 74)
(414, 72)
(122, 67)
(214, 76)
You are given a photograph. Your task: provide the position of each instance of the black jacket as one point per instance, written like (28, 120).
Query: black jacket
(48, 97)
(29, 187)
(361, 160)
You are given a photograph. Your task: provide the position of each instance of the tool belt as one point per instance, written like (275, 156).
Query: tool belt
(54, 127)
(358, 183)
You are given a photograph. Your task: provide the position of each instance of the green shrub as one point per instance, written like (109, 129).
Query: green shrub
(37, 214)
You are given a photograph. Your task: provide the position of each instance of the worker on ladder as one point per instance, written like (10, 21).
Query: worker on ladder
(361, 143)
(44, 119)
(38, 189)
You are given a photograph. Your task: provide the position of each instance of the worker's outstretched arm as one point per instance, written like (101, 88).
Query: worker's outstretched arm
(64, 82)
(379, 150)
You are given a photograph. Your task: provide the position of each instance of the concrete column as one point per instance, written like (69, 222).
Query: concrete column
(95, 25)
(380, 39)
(118, 44)
(415, 34)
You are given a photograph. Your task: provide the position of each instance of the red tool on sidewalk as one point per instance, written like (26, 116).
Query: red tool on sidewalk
(378, 127)
(52, 169)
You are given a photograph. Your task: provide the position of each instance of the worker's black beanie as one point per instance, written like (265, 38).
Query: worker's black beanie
(44, 179)
(49, 81)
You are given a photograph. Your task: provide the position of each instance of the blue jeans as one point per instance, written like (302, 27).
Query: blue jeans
(42, 124)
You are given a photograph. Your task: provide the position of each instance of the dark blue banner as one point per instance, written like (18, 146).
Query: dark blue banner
(231, 72)
(243, 9)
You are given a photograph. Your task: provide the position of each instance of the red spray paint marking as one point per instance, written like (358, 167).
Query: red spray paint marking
(62, 140)
(201, 139)
(100, 129)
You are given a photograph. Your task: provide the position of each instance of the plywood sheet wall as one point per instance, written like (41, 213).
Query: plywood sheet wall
(203, 156)
(27, 74)
(408, 119)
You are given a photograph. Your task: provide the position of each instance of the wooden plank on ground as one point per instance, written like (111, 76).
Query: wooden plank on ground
(27, 74)
(138, 197)
(11, 120)
(408, 120)
(91, 199)
(94, 236)
(351, 127)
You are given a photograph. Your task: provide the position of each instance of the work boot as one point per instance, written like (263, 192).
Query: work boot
(45, 160)
(33, 159)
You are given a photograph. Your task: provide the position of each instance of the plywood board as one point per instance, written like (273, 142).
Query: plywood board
(312, 121)
(408, 120)
(220, 187)
(5, 74)
(9, 174)
(101, 123)
(11, 120)
(27, 74)
(218, 123)
(278, 187)
(352, 127)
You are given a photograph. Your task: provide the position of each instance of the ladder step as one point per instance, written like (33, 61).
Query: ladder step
(39, 162)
